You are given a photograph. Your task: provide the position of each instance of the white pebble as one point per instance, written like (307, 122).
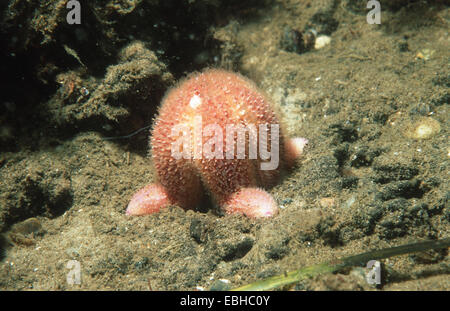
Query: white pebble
(321, 42)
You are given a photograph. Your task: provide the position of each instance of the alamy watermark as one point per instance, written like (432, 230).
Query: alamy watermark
(374, 15)
(74, 15)
(189, 144)
(374, 274)
(73, 277)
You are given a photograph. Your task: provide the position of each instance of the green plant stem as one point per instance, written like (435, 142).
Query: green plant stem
(356, 260)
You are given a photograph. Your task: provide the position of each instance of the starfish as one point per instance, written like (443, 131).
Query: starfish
(207, 135)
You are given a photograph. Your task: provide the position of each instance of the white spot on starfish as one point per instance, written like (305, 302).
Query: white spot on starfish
(195, 101)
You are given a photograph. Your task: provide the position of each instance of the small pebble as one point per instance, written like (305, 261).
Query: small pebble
(423, 129)
(84, 91)
(322, 41)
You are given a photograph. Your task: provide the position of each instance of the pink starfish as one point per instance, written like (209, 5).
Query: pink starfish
(207, 137)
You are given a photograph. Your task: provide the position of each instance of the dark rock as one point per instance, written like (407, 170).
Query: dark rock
(231, 250)
(295, 41)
